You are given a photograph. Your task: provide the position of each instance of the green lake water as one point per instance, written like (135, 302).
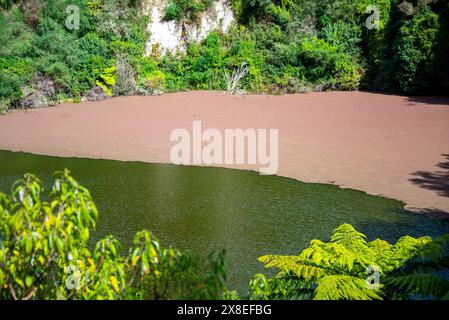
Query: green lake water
(202, 209)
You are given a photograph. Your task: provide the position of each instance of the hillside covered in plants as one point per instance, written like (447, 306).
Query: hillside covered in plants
(48, 55)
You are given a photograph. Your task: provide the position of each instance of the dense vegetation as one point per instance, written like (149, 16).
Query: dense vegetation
(46, 253)
(287, 46)
(189, 10)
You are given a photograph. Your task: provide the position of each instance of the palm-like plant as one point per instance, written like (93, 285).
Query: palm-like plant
(345, 268)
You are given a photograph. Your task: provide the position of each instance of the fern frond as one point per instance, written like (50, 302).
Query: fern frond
(446, 296)
(279, 261)
(344, 287)
(378, 246)
(435, 250)
(335, 257)
(405, 249)
(306, 272)
(338, 269)
(293, 265)
(346, 235)
(288, 288)
(424, 284)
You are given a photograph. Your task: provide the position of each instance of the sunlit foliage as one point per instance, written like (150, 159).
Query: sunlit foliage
(341, 269)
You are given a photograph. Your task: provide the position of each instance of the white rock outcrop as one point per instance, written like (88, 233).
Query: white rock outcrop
(172, 36)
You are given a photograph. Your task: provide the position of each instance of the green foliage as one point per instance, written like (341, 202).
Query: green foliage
(6, 4)
(44, 253)
(288, 46)
(308, 45)
(186, 10)
(204, 64)
(344, 36)
(74, 59)
(107, 80)
(336, 69)
(173, 11)
(337, 270)
(41, 236)
(415, 52)
(154, 82)
(394, 57)
(15, 71)
(4, 105)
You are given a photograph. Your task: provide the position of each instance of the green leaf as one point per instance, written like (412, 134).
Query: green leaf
(146, 265)
(29, 280)
(28, 245)
(113, 250)
(60, 246)
(84, 234)
(343, 287)
(20, 282)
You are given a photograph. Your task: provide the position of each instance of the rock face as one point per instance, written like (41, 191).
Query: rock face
(96, 94)
(172, 36)
(41, 95)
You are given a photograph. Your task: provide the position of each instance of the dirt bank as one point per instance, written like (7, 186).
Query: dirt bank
(383, 144)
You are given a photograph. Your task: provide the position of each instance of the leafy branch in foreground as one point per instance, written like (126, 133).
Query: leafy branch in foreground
(44, 253)
(337, 270)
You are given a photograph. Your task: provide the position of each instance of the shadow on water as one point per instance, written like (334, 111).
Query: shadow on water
(436, 214)
(437, 181)
(416, 224)
(431, 100)
(203, 209)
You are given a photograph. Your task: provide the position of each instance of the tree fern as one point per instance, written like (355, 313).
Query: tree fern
(377, 247)
(405, 249)
(349, 237)
(338, 269)
(293, 265)
(344, 287)
(423, 284)
(434, 250)
(334, 256)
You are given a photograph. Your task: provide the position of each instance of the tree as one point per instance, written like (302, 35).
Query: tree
(337, 270)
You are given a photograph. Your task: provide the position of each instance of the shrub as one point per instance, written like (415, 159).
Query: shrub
(346, 37)
(93, 44)
(203, 64)
(154, 83)
(377, 46)
(4, 105)
(415, 52)
(126, 81)
(6, 4)
(44, 253)
(187, 10)
(174, 72)
(173, 11)
(280, 15)
(325, 63)
(107, 80)
(337, 270)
